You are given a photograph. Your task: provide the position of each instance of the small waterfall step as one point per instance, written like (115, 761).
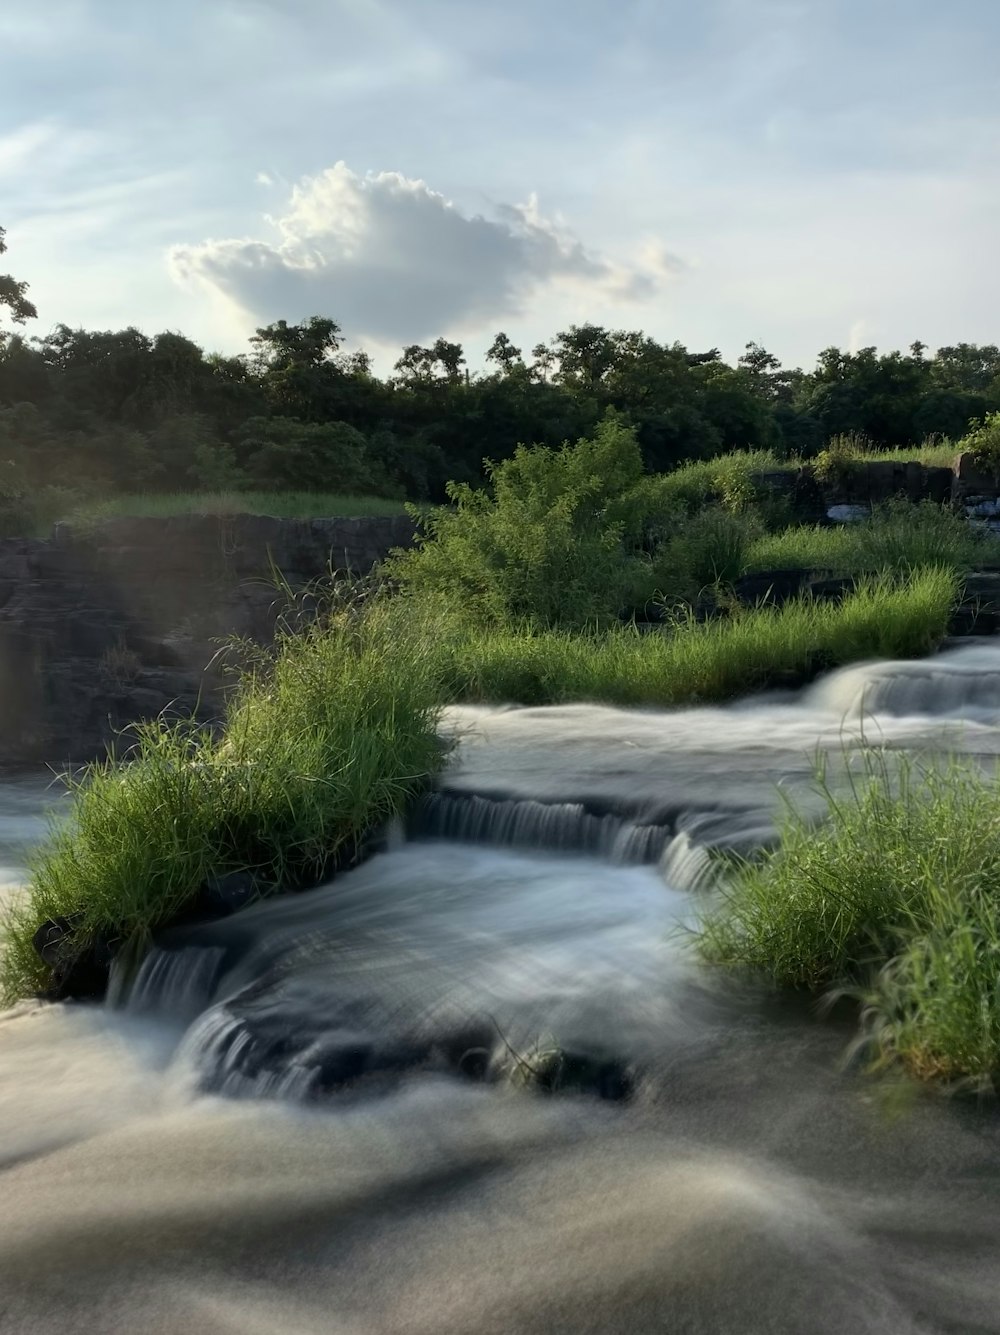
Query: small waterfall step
(557, 827)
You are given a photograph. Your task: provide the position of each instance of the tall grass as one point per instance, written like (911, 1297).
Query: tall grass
(280, 504)
(727, 479)
(699, 661)
(897, 536)
(844, 452)
(895, 898)
(322, 743)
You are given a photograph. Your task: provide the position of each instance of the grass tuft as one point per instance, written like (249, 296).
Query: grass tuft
(324, 742)
(894, 899)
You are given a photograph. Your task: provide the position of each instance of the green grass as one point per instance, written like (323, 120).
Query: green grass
(932, 453)
(326, 741)
(698, 661)
(935, 452)
(336, 732)
(895, 899)
(898, 536)
(726, 479)
(281, 504)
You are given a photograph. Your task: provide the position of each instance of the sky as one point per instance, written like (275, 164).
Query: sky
(797, 173)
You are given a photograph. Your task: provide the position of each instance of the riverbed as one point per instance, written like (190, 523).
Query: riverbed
(324, 1114)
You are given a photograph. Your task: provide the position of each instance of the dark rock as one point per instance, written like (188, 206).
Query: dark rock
(830, 588)
(79, 968)
(106, 624)
(222, 895)
(769, 588)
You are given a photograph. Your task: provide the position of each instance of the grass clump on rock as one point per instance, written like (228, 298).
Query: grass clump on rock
(895, 899)
(326, 737)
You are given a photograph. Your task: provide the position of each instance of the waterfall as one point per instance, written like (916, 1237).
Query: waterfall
(175, 983)
(559, 827)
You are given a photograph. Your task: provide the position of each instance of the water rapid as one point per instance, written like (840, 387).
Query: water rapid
(480, 1084)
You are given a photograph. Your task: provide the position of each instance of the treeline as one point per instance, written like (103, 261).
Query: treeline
(124, 411)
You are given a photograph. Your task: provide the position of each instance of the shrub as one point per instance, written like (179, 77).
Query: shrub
(726, 480)
(556, 540)
(841, 457)
(711, 547)
(983, 442)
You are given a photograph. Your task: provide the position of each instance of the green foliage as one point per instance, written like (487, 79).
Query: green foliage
(897, 536)
(842, 457)
(693, 661)
(983, 442)
(726, 480)
(324, 739)
(282, 453)
(555, 541)
(711, 547)
(894, 898)
(281, 504)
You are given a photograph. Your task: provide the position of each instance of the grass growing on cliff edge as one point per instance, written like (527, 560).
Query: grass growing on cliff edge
(699, 661)
(897, 536)
(324, 742)
(895, 898)
(280, 504)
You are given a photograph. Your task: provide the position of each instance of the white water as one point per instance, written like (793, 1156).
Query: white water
(281, 1131)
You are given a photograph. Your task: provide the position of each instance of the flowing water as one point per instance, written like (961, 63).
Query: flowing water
(322, 1114)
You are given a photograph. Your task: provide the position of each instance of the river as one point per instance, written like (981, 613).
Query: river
(282, 1126)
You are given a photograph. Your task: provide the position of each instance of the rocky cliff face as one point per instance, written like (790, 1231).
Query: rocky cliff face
(100, 627)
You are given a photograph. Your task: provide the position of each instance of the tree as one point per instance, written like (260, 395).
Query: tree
(504, 353)
(12, 293)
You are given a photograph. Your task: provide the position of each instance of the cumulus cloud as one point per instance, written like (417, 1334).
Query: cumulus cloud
(393, 260)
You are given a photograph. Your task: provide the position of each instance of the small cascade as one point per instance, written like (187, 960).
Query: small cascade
(173, 983)
(688, 866)
(218, 1055)
(963, 683)
(557, 827)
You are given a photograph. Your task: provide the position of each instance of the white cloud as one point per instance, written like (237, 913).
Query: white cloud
(393, 260)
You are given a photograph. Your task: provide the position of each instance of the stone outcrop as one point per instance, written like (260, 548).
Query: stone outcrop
(108, 624)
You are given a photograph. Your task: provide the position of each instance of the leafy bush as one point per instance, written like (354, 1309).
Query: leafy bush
(842, 456)
(324, 739)
(983, 443)
(726, 480)
(556, 540)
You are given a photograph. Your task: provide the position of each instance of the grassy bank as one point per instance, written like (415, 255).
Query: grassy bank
(323, 742)
(896, 899)
(281, 504)
(699, 661)
(898, 536)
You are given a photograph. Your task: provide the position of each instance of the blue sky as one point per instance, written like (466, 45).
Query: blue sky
(793, 172)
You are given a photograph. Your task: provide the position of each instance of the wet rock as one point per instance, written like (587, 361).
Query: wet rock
(222, 895)
(79, 968)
